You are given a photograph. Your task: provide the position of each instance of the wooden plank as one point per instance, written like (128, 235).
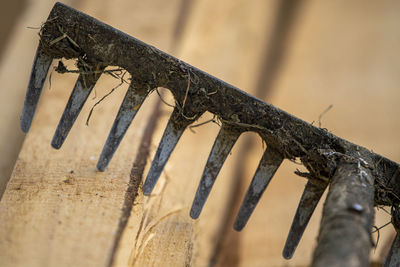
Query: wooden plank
(57, 210)
(342, 53)
(50, 216)
(212, 41)
(10, 140)
(15, 62)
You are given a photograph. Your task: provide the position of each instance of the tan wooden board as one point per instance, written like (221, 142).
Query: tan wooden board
(59, 211)
(15, 66)
(342, 53)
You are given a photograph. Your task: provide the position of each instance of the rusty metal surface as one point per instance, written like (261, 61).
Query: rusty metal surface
(40, 68)
(170, 138)
(69, 34)
(223, 144)
(127, 112)
(309, 200)
(83, 86)
(269, 163)
(393, 257)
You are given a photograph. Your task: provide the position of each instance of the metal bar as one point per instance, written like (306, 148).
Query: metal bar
(172, 133)
(63, 36)
(309, 200)
(266, 169)
(83, 87)
(41, 65)
(127, 112)
(345, 232)
(393, 257)
(223, 144)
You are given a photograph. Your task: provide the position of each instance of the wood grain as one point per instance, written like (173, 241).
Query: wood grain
(15, 65)
(212, 41)
(61, 206)
(341, 53)
(58, 210)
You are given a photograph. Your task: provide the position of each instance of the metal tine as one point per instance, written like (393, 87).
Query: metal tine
(170, 138)
(222, 146)
(40, 68)
(266, 169)
(393, 257)
(127, 112)
(308, 202)
(83, 86)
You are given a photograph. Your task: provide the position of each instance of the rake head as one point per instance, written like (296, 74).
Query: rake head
(69, 34)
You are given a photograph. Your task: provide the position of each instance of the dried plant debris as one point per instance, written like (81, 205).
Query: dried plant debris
(71, 34)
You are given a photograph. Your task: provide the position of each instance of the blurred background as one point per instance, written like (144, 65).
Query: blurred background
(302, 56)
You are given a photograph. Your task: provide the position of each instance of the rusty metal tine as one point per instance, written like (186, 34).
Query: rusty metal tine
(222, 146)
(393, 257)
(68, 33)
(129, 107)
(83, 86)
(266, 169)
(153, 68)
(40, 68)
(170, 138)
(308, 202)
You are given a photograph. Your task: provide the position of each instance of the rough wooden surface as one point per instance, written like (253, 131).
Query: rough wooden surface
(202, 45)
(341, 53)
(56, 203)
(17, 59)
(57, 210)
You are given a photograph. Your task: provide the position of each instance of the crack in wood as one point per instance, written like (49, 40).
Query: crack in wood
(135, 179)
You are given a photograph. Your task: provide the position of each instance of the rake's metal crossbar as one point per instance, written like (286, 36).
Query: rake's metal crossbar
(68, 33)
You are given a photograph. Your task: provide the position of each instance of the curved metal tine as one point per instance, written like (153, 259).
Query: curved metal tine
(266, 169)
(83, 86)
(127, 112)
(40, 68)
(308, 202)
(222, 146)
(170, 138)
(393, 258)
